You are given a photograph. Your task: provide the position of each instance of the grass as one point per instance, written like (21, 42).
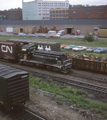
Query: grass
(69, 95)
(81, 42)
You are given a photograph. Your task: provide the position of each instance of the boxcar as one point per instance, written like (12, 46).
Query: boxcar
(10, 50)
(14, 86)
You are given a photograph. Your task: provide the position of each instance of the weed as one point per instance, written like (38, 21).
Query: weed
(69, 95)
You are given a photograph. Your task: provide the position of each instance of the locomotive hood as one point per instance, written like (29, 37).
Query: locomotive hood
(26, 47)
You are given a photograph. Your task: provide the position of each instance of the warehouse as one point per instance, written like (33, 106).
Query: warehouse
(43, 26)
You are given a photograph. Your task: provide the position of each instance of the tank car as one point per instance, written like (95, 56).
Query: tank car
(56, 61)
(14, 87)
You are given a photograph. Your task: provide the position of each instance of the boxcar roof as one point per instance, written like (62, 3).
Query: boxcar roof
(6, 43)
(50, 52)
(7, 72)
(32, 41)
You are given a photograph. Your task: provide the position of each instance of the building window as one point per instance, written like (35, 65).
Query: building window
(76, 16)
(99, 16)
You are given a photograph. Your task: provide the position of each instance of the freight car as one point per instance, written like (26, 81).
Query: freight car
(53, 46)
(10, 50)
(14, 87)
(90, 63)
(56, 61)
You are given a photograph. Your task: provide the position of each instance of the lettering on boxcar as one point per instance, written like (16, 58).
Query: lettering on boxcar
(5, 48)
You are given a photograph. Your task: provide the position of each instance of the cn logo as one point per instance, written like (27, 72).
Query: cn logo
(5, 48)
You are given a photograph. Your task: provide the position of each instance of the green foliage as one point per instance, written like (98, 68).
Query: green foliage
(88, 37)
(68, 94)
(98, 110)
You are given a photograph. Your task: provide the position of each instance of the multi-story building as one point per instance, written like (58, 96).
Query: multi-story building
(59, 14)
(11, 14)
(88, 12)
(14, 14)
(3, 15)
(40, 9)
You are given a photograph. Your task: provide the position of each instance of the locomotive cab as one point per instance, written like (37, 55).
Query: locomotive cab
(26, 51)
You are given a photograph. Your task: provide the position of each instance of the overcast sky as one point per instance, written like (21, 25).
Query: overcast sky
(8, 4)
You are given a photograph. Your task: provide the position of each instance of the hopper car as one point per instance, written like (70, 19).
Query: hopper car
(93, 64)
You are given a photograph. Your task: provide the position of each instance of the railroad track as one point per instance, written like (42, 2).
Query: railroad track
(74, 82)
(89, 77)
(26, 115)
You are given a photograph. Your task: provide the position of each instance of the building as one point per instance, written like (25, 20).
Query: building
(3, 15)
(59, 14)
(40, 9)
(87, 12)
(14, 14)
(70, 26)
(11, 14)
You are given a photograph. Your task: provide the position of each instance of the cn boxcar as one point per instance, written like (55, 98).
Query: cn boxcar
(10, 50)
(14, 86)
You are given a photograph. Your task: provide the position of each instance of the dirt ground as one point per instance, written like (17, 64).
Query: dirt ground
(45, 104)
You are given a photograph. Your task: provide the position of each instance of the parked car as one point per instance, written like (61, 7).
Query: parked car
(41, 35)
(63, 46)
(79, 48)
(91, 49)
(69, 47)
(22, 34)
(58, 35)
(100, 50)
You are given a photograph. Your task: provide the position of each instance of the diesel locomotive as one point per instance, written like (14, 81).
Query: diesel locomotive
(26, 53)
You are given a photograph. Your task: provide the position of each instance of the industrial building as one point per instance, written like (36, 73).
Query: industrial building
(40, 9)
(43, 26)
(88, 12)
(11, 14)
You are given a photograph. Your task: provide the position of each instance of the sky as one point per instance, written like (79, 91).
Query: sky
(8, 4)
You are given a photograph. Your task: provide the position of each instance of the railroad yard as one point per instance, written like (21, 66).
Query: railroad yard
(78, 95)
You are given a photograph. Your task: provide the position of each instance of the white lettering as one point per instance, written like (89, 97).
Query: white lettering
(24, 76)
(5, 48)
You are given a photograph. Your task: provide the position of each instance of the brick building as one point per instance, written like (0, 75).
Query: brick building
(11, 14)
(59, 14)
(88, 12)
(3, 15)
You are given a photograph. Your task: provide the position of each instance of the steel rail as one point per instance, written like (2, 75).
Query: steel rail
(73, 82)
